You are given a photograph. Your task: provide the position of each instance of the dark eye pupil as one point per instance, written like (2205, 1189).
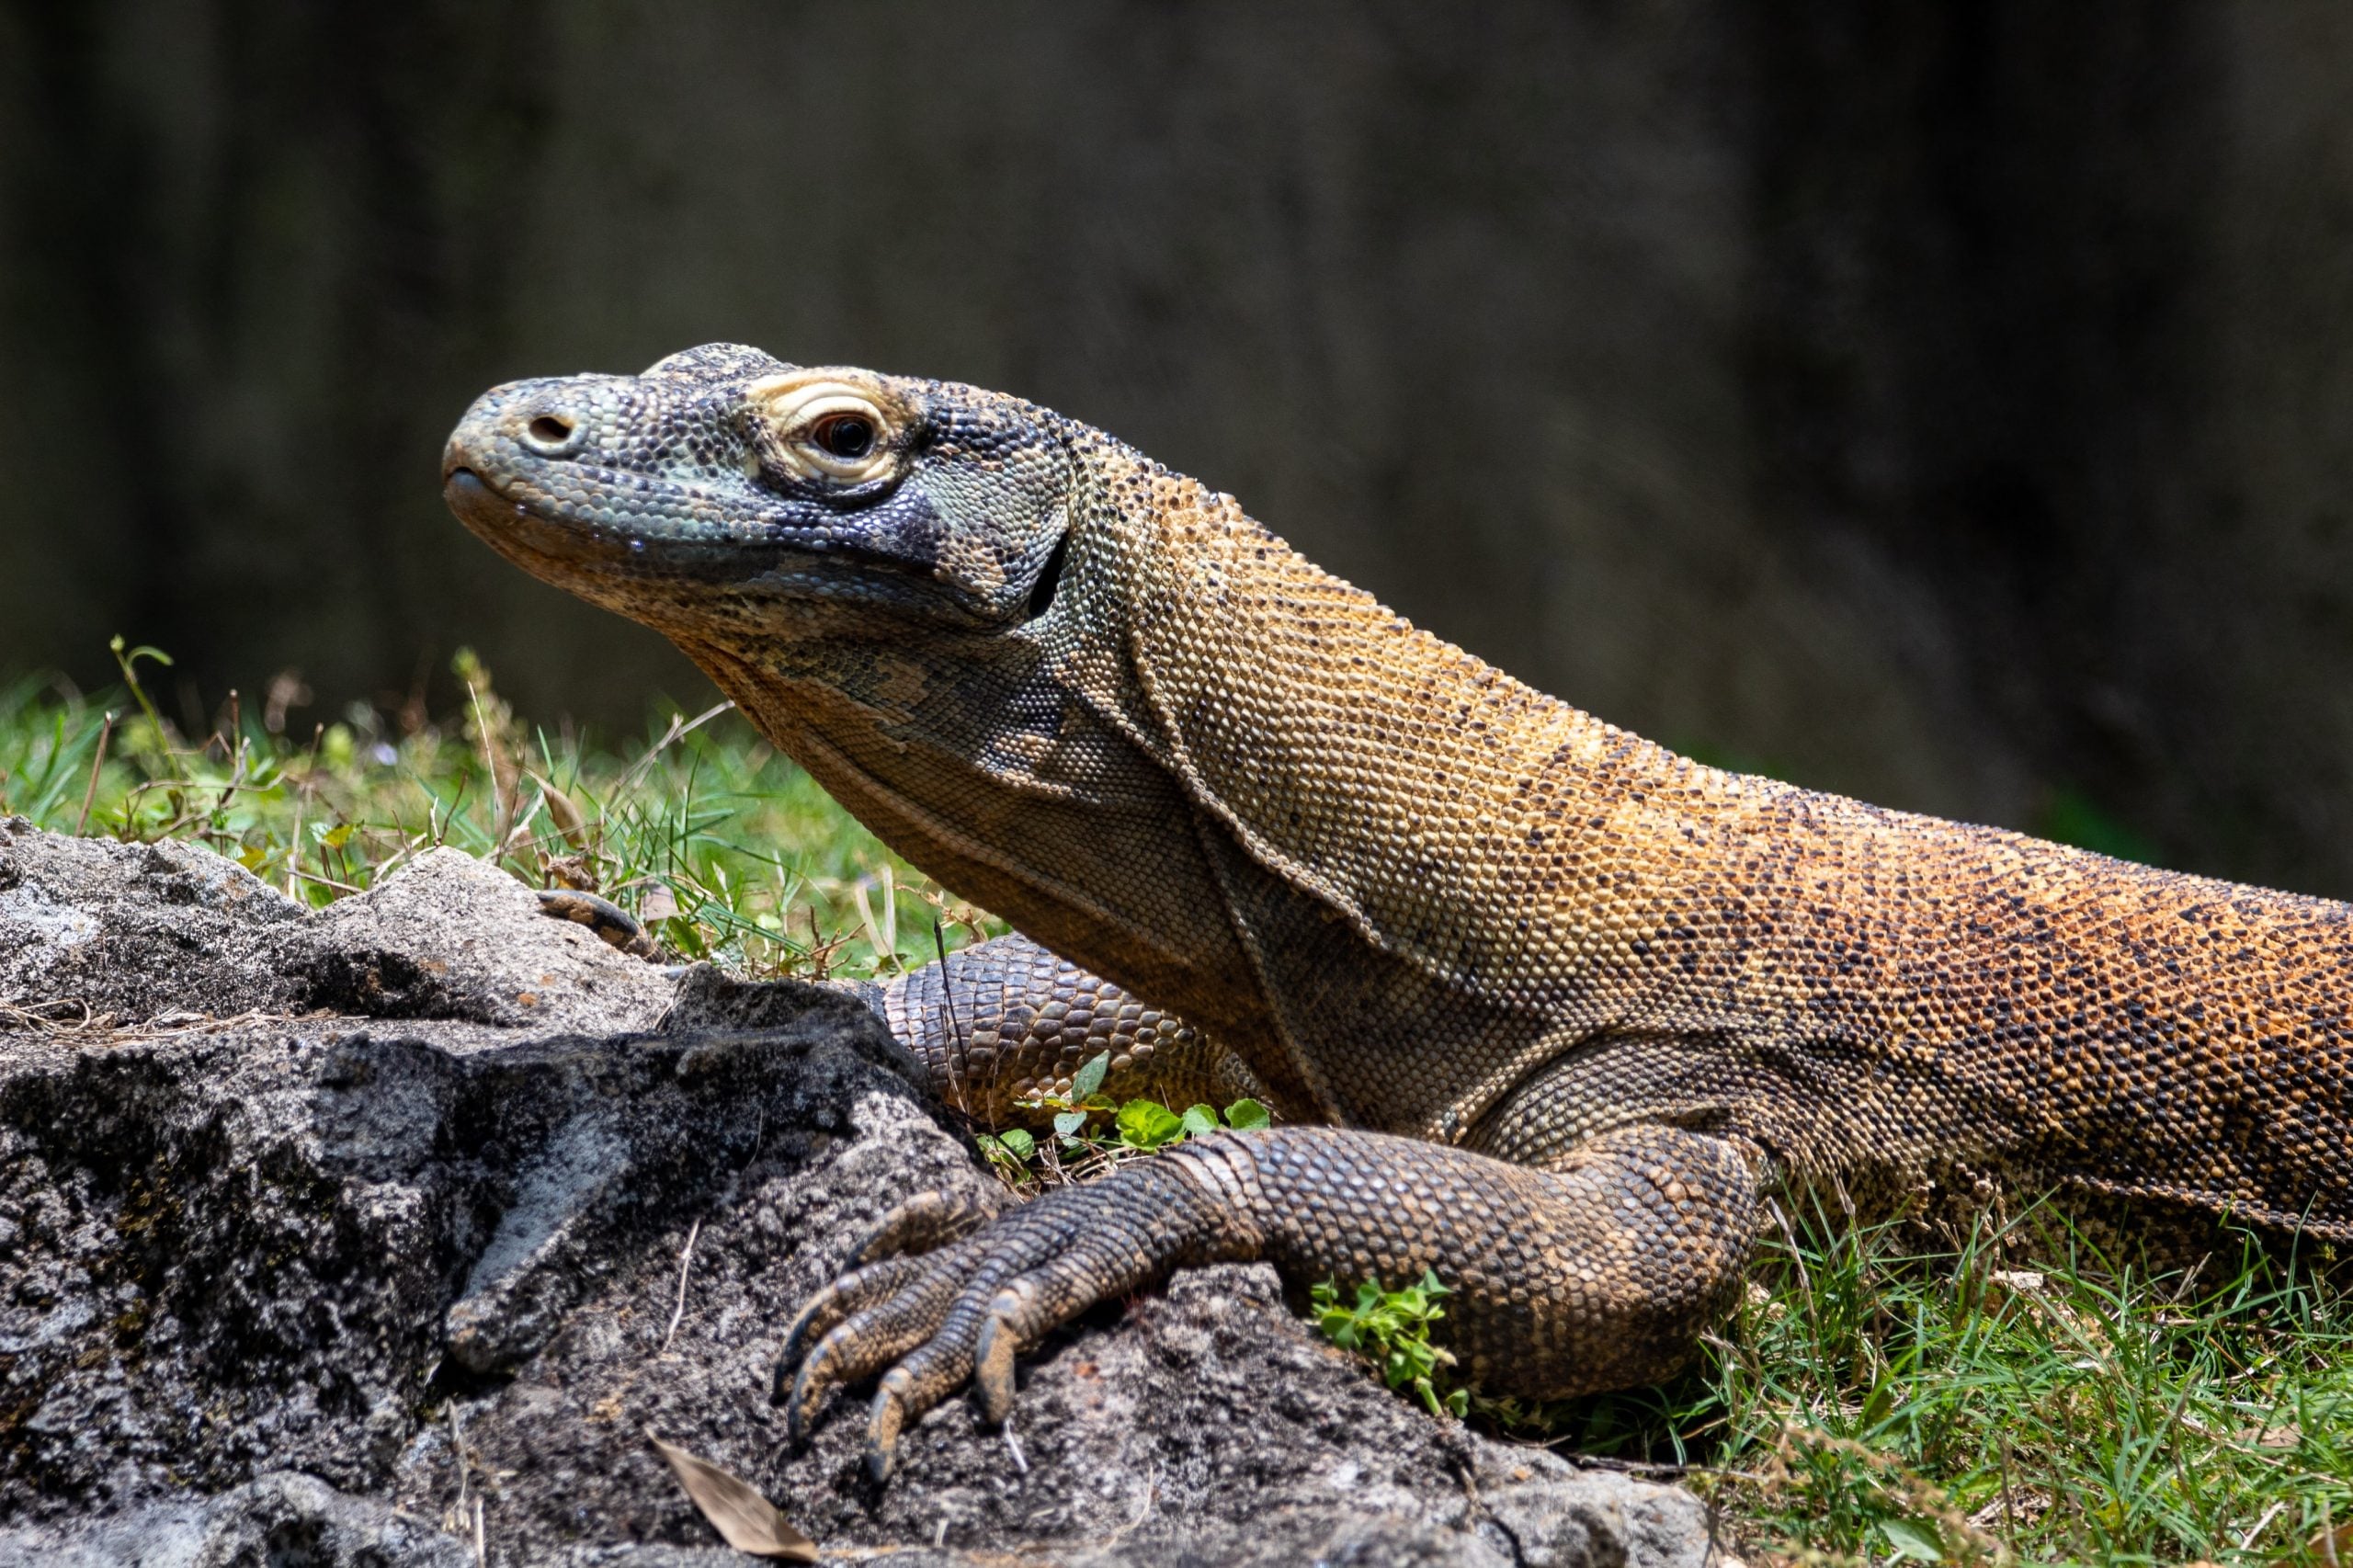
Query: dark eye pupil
(850, 438)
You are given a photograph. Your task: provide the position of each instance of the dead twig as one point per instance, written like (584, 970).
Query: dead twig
(301, 799)
(686, 1261)
(457, 1452)
(98, 761)
(498, 805)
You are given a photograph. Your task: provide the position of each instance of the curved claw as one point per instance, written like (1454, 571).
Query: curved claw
(833, 1363)
(885, 1263)
(994, 1355)
(871, 1338)
(820, 1313)
(930, 1372)
(885, 1418)
(924, 1224)
(965, 1313)
(801, 1404)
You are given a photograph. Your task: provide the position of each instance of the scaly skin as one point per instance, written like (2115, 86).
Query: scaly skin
(999, 1024)
(1566, 1006)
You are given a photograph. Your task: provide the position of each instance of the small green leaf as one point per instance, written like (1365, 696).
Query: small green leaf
(1199, 1120)
(1089, 1078)
(337, 836)
(1912, 1540)
(1392, 1330)
(1243, 1114)
(1147, 1124)
(1007, 1155)
(1068, 1123)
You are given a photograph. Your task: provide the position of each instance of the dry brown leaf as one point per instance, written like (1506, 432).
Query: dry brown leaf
(2287, 1437)
(745, 1520)
(2332, 1546)
(564, 813)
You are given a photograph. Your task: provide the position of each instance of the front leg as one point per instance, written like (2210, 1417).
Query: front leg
(1597, 1272)
(1005, 1021)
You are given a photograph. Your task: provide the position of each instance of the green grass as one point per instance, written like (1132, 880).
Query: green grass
(1865, 1404)
(727, 850)
(1870, 1402)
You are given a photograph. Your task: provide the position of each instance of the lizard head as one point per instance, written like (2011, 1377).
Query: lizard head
(725, 493)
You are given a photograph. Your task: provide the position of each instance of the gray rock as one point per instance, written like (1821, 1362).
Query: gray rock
(283, 1519)
(135, 930)
(286, 1286)
(450, 937)
(138, 931)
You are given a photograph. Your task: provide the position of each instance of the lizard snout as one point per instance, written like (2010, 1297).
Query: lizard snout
(544, 420)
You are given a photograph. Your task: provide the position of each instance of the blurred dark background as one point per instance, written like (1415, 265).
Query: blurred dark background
(1950, 404)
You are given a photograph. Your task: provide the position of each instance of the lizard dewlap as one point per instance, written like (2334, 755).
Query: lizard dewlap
(1544, 1008)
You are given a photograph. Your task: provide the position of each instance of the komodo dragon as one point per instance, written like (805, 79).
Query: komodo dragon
(1541, 1006)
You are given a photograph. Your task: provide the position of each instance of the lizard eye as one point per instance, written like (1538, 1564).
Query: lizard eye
(825, 428)
(849, 437)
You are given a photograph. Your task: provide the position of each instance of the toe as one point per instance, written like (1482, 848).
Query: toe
(853, 1292)
(867, 1341)
(926, 1223)
(936, 1369)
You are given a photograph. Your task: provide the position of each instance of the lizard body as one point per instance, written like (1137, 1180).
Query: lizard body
(1541, 1005)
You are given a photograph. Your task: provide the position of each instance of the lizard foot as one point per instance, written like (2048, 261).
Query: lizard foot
(942, 1296)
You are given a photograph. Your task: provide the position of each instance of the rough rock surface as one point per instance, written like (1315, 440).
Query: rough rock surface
(353, 1227)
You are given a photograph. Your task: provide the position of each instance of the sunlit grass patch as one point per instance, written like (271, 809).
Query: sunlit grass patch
(1873, 1403)
(727, 850)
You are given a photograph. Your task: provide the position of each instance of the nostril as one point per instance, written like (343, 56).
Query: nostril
(551, 430)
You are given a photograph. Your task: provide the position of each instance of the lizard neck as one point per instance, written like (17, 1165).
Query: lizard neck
(1375, 769)
(1243, 788)
(1007, 767)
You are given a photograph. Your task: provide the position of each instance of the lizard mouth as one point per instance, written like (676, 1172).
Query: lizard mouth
(529, 525)
(540, 527)
(522, 532)
(679, 562)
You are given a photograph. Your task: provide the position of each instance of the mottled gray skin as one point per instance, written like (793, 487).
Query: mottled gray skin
(666, 486)
(1565, 1003)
